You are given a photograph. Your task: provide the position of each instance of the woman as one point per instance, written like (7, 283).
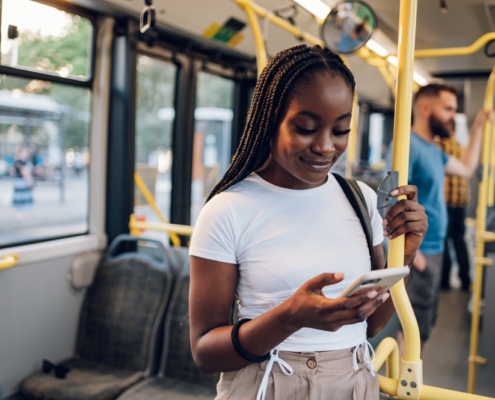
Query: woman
(23, 180)
(278, 232)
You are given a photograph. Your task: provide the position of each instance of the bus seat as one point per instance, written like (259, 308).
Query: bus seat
(178, 377)
(119, 325)
(174, 256)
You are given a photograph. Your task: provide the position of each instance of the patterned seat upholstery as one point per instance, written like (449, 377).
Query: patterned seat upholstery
(178, 378)
(120, 320)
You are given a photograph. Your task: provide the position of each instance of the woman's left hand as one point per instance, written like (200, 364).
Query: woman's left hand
(407, 217)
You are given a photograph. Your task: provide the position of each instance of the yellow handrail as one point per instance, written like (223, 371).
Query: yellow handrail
(177, 229)
(261, 56)
(387, 351)
(456, 51)
(481, 237)
(389, 386)
(151, 201)
(351, 146)
(9, 261)
(411, 366)
(491, 173)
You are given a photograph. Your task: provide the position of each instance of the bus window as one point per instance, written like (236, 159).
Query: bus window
(212, 136)
(155, 115)
(42, 38)
(44, 157)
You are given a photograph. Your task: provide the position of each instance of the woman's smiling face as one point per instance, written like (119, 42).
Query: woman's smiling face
(312, 134)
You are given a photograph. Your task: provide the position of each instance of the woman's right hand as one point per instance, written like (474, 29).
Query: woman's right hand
(309, 308)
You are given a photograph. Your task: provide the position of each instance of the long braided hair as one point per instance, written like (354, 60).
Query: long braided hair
(270, 96)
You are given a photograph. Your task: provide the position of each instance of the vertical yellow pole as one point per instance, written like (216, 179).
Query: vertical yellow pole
(491, 176)
(351, 146)
(400, 162)
(151, 201)
(261, 57)
(474, 358)
(410, 371)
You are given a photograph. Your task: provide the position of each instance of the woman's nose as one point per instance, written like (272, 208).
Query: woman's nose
(323, 144)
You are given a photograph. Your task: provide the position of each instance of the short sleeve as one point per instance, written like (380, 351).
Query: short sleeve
(376, 219)
(214, 234)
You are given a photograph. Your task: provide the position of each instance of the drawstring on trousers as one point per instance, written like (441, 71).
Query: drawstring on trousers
(368, 361)
(369, 356)
(284, 367)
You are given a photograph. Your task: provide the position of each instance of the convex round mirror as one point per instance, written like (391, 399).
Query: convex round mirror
(348, 26)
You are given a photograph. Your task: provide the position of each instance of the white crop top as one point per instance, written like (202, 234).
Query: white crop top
(280, 238)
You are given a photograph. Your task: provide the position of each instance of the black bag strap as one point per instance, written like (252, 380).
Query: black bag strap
(358, 202)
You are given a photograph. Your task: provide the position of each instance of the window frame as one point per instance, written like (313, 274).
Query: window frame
(163, 55)
(188, 67)
(93, 237)
(30, 73)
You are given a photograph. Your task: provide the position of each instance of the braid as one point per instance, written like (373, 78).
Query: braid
(272, 90)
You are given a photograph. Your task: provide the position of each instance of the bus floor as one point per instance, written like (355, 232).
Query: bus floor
(446, 353)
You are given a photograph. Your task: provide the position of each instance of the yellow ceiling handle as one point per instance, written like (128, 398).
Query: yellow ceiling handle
(8, 261)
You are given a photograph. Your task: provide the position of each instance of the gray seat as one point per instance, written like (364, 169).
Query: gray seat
(118, 329)
(178, 377)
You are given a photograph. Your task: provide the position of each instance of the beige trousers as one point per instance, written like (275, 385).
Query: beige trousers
(328, 375)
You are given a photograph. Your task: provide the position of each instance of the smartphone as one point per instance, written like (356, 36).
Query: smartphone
(376, 278)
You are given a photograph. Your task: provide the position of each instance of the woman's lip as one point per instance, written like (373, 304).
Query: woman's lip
(317, 165)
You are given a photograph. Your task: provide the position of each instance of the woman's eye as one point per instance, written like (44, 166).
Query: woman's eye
(341, 133)
(305, 131)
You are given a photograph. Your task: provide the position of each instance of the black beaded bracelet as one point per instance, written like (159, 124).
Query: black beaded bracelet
(240, 350)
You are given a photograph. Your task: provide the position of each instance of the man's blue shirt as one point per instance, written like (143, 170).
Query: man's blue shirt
(426, 171)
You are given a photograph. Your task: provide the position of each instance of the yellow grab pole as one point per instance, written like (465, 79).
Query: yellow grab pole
(400, 161)
(282, 23)
(151, 201)
(491, 172)
(410, 371)
(388, 351)
(389, 386)
(259, 41)
(481, 236)
(456, 51)
(164, 227)
(351, 146)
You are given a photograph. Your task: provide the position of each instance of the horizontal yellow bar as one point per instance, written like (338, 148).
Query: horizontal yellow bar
(389, 386)
(478, 360)
(157, 226)
(487, 236)
(456, 51)
(483, 261)
(282, 23)
(433, 393)
(9, 261)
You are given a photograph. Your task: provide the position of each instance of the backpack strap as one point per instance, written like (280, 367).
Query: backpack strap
(358, 202)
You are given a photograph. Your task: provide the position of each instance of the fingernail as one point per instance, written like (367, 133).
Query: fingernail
(394, 192)
(338, 275)
(385, 233)
(372, 294)
(385, 222)
(385, 296)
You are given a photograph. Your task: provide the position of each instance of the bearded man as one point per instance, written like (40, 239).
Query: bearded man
(434, 110)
